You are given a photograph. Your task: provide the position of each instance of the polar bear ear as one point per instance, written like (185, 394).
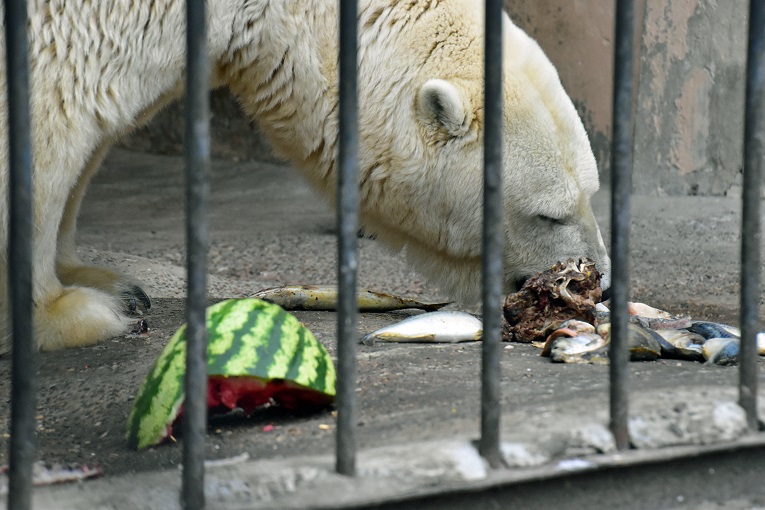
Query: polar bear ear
(440, 103)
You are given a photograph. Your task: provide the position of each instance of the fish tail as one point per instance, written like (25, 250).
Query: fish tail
(433, 307)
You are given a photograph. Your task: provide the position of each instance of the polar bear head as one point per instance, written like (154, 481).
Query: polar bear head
(421, 82)
(420, 66)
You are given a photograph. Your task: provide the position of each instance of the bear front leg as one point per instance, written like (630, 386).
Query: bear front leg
(71, 270)
(64, 316)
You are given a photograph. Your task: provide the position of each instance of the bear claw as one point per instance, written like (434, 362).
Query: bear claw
(135, 295)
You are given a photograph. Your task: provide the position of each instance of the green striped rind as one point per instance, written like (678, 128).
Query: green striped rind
(261, 339)
(245, 337)
(160, 396)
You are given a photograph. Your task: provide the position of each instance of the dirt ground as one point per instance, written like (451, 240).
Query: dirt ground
(268, 229)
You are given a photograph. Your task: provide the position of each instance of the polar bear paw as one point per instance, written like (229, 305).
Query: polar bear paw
(117, 285)
(78, 316)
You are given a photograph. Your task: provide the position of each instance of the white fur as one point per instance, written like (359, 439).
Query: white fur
(101, 68)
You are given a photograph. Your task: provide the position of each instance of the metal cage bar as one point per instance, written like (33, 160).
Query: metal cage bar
(347, 227)
(197, 241)
(493, 233)
(621, 172)
(23, 371)
(750, 222)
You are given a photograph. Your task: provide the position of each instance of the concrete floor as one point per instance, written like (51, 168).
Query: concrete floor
(268, 229)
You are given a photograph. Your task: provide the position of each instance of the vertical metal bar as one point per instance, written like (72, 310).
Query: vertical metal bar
(751, 222)
(197, 239)
(24, 370)
(493, 232)
(347, 226)
(621, 169)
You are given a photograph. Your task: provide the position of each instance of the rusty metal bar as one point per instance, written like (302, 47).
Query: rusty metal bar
(751, 231)
(20, 229)
(197, 242)
(347, 226)
(493, 234)
(621, 172)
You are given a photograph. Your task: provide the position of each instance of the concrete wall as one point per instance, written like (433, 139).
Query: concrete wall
(689, 129)
(689, 85)
(689, 90)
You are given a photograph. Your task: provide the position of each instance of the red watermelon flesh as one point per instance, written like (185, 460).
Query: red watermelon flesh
(248, 393)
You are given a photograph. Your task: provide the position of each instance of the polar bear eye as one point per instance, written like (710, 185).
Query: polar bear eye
(554, 221)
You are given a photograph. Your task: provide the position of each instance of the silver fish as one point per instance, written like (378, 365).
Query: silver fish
(324, 298)
(570, 328)
(436, 327)
(582, 348)
(681, 344)
(722, 351)
(578, 326)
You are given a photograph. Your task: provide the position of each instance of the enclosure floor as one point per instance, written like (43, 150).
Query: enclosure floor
(267, 230)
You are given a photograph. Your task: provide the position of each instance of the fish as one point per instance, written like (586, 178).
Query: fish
(569, 328)
(644, 316)
(643, 342)
(325, 297)
(722, 351)
(582, 348)
(435, 327)
(649, 312)
(714, 330)
(578, 326)
(681, 344)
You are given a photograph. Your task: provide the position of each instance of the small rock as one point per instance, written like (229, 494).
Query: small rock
(689, 423)
(593, 436)
(523, 455)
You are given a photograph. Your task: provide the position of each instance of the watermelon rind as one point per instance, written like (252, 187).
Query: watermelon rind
(246, 337)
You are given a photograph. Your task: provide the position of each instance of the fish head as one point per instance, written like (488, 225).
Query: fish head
(583, 342)
(578, 326)
(582, 348)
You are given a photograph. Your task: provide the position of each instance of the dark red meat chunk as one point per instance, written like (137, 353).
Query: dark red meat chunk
(568, 290)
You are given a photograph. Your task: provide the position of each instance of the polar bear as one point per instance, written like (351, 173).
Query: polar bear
(98, 69)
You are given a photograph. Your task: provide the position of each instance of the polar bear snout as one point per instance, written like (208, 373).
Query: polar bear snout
(520, 281)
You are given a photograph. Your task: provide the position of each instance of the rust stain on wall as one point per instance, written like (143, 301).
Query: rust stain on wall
(688, 150)
(690, 104)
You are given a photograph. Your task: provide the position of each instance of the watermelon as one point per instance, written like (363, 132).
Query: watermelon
(257, 354)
